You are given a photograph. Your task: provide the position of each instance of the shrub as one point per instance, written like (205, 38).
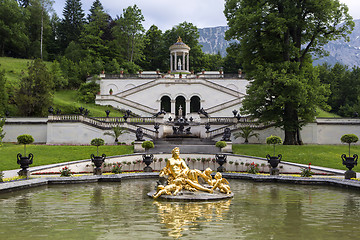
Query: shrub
(147, 145)
(306, 172)
(253, 168)
(87, 92)
(25, 139)
(273, 140)
(97, 142)
(220, 144)
(65, 172)
(246, 133)
(116, 168)
(349, 138)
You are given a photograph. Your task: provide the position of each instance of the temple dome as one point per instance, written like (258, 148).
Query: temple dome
(179, 45)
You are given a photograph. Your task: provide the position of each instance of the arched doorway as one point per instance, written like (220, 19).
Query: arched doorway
(165, 104)
(194, 104)
(180, 101)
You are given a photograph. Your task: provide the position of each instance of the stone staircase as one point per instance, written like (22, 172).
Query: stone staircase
(186, 145)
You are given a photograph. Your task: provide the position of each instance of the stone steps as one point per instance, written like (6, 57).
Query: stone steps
(186, 145)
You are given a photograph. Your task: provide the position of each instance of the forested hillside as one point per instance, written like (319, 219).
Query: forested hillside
(77, 46)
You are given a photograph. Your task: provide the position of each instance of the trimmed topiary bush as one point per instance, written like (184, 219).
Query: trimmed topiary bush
(273, 140)
(220, 144)
(349, 138)
(97, 142)
(25, 139)
(147, 145)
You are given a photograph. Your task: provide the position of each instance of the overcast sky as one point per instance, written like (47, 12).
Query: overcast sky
(167, 13)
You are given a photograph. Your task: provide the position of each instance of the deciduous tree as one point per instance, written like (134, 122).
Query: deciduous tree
(276, 40)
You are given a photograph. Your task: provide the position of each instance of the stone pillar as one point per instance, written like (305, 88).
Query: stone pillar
(183, 61)
(171, 62)
(187, 104)
(188, 60)
(175, 61)
(173, 106)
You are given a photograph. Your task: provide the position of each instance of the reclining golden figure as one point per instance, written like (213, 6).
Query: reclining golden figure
(180, 176)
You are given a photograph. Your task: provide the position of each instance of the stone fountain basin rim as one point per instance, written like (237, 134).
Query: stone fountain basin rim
(24, 184)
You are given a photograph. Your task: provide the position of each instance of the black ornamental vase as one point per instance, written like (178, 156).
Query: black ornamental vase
(274, 162)
(148, 159)
(24, 162)
(349, 162)
(98, 161)
(221, 160)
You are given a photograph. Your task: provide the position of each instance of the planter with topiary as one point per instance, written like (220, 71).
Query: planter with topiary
(274, 160)
(349, 161)
(97, 160)
(147, 158)
(23, 160)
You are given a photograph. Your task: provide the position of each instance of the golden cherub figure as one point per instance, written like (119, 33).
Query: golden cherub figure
(171, 189)
(221, 183)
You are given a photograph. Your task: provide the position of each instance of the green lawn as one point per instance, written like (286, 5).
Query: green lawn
(67, 101)
(46, 154)
(318, 155)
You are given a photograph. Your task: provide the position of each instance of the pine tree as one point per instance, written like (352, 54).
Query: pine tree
(73, 22)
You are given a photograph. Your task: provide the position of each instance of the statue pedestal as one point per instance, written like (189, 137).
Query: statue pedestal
(137, 147)
(185, 195)
(349, 174)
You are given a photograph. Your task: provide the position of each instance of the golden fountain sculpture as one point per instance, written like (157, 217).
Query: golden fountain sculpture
(180, 176)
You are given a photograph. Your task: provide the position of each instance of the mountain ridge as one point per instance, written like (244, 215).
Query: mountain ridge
(347, 53)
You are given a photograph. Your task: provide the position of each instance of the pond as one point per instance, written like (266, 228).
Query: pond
(123, 211)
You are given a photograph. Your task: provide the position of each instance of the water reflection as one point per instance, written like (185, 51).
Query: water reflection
(23, 206)
(179, 216)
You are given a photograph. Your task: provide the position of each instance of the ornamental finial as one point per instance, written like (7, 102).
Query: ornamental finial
(179, 39)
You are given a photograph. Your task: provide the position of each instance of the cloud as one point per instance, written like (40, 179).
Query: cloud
(164, 13)
(167, 13)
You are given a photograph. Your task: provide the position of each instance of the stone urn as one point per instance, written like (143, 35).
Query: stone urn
(148, 159)
(349, 162)
(98, 161)
(274, 162)
(221, 160)
(24, 162)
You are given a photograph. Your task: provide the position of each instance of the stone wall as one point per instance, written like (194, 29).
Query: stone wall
(323, 131)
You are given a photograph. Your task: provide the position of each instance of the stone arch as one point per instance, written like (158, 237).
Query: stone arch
(129, 86)
(165, 103)
(114, 88)
(195, 104)
(233, 87)
(180, 101)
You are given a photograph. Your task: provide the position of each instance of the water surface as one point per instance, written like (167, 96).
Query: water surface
(123, 211)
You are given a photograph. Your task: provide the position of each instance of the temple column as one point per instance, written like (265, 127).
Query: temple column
(173, 106)
(183, 62)
(188, 60)
(171, 62)
(175, 61)
(187, 104)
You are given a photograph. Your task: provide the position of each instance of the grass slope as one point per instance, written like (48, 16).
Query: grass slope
(46, 154)
(68, 102)
(14, 67)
